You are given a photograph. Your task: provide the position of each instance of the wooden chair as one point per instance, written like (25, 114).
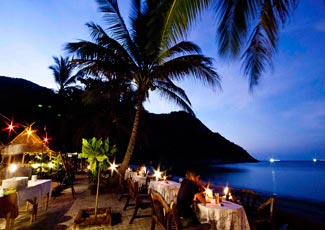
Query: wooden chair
(178, 224)
(249, 199)
(122, 188)
(260, 212)
(9, 210)
(161, 212)
(139, 200)
(265, 215)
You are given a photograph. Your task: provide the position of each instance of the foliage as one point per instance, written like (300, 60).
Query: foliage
(97, 151)
(248, 29)
(132, 55)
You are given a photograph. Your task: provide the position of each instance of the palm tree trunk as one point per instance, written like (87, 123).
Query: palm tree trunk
(129, 150)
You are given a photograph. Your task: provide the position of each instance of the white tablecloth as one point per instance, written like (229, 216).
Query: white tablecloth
(230, 216)
(168, 189)
(129, 174)
(140, 179)
(35, 189)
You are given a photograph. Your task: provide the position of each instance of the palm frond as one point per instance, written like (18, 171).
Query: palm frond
(167, 89)
(264, 38)
(196, 66)
(115, 22)
(233, 18)
(180, 16)
(257, 55)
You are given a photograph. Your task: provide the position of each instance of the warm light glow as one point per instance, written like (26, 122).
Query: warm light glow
(11, 127)
(113, 167)
(157, 174)
(230, 196)
(12, 168)
(36, 165)
(226, 190)
(29, 131)
(50, 165)
(209, 193)
(88, 167)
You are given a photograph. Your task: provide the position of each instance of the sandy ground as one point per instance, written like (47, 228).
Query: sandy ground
(63, 209)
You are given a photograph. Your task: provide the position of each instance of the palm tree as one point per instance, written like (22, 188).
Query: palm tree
(63, 75)
(139, 57)
(245, 28)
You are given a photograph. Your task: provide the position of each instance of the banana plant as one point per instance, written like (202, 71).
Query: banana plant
(97, 152)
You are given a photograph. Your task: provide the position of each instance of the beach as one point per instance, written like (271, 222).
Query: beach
(62, 210)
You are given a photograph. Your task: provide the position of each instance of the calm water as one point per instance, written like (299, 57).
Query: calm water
(299, 179)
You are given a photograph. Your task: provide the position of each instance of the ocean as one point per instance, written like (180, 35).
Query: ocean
(296, 179)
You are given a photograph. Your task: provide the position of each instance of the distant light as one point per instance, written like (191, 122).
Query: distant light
(49, 106)
(314, 160)
(40, 105)
(273, 160)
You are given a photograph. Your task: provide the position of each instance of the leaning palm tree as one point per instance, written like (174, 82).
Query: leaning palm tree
(64, 75)
(139, 57)
(245, 28)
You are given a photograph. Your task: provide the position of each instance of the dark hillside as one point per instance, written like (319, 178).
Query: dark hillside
(175, 137)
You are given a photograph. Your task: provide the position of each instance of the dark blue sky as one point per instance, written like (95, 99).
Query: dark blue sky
(284, 117)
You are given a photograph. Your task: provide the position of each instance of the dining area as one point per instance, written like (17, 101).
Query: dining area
(220, 209)
(19, 194)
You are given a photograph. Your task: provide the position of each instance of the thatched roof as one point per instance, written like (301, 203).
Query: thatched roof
(26, 142)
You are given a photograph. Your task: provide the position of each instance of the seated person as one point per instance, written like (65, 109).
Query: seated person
(190, 189)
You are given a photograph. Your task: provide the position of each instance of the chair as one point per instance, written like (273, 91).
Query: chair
(161, 212)
(249, 199)
(265, 215)
(122, 188)
(142, 201)
(260, 212)
(178, 224)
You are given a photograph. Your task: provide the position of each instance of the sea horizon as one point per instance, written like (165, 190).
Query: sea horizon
(299, 179)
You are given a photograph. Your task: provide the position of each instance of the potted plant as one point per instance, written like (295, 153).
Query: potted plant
(97, 152)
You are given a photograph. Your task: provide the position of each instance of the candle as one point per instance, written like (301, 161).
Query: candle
(208, 193)
(226, 190)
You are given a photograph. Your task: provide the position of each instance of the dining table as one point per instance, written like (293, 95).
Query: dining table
(33, 194)
(129, 174)
(167, 188)
(225, 215)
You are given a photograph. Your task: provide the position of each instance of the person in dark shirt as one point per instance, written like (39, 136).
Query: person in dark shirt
(189, 190)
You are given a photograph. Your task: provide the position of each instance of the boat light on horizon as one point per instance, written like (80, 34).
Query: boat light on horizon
(273, 160)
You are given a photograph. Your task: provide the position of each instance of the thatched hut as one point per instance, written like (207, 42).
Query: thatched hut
(27, 142)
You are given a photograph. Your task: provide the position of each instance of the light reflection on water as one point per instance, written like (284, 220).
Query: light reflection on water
(299, 179)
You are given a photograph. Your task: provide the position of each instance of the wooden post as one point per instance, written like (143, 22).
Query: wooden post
(68, 174)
